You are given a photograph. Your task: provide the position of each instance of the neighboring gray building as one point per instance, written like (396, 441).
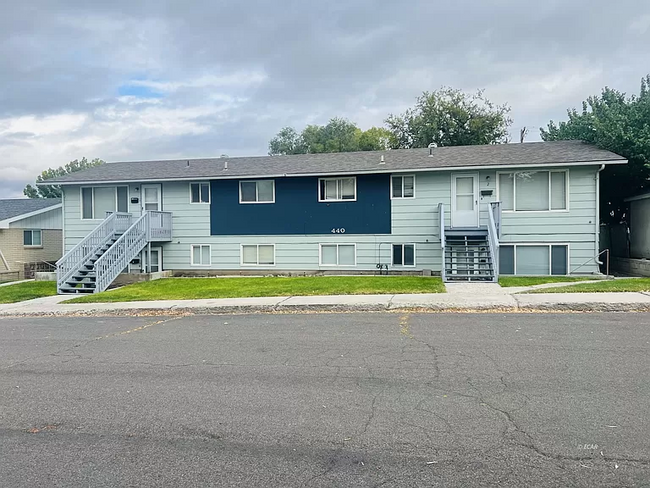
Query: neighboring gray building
(467, 213)
(30, 234)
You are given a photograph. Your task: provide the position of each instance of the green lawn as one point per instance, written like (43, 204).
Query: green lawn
(27, 291)
(194, 288)
(633, 284)
(507, 281)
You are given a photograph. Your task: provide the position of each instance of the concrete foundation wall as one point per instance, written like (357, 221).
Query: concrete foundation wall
(631, 267)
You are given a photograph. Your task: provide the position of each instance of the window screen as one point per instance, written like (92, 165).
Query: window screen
(103, 201)
(507, 260)
(122, 199)
(507, 191)
(559, 261)
(87, 203)
(533, 260)
(329, 255)
(558, 190)
(532, 191)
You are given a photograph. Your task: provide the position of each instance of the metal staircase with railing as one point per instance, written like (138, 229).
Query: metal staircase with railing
(94, 263)
(471, 254)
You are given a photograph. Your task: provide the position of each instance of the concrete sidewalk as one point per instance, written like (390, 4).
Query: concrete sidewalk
(459, 297)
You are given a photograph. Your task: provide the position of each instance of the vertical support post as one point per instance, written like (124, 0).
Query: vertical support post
(149, 257)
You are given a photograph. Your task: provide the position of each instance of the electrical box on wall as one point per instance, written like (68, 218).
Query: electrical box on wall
(486, 193)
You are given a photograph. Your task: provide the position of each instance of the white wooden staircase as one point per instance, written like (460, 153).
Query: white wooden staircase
(93, 264)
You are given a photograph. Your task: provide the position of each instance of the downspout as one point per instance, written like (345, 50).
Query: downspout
(598, 261)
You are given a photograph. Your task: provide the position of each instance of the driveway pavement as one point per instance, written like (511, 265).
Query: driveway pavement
(372, 399)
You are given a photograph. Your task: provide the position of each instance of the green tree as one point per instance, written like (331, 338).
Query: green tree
(620, 124)
(376, 139)
(287, 141)
(338, 135)
(450, 117)
(54, 191)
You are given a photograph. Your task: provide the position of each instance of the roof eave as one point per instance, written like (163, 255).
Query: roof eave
(374, 171)
(4, 224)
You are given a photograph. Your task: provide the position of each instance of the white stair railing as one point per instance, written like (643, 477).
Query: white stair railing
(89, 245)
(493, 238)
(441, 216)
(118, 256)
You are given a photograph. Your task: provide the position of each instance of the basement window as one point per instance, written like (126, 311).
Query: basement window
(258, 255)
(534, 259)
(201, 255)
(403, 254)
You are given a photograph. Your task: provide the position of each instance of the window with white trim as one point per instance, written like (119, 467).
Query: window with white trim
(338, 255)
(257, 191)
(403, 254)
(201, 254)
(258, 254)
(402, 186)
(32, 238)
(200, 192)
(337, 189)
(533, 259)
(526, 191)
(97, 200)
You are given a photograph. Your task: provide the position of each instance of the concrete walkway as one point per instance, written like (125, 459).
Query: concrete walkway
(459, 297)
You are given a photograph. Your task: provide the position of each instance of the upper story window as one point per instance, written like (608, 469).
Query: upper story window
(258, 191)
(402, 186)
(337, 189)
(97, 200)
(32, 238)
(200, 192)
(533, 191)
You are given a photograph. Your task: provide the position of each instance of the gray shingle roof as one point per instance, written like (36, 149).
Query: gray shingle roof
(14, 207)
(533, 153)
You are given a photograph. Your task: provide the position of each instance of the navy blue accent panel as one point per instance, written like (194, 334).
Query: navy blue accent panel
(297, 210)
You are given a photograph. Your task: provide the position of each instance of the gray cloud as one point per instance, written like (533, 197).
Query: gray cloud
(229, 75)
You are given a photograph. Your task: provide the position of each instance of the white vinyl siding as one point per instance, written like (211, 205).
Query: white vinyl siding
(402, 186)
(201, 255)
(338, 255)
(258, 191)
(258, 255)
(200, 192)
(337, 189)
(97, 200)
(533, 191)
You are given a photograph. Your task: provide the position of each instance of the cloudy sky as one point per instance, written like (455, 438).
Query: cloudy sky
(130, 79)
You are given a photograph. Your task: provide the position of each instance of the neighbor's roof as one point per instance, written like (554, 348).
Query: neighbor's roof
(15, 207)
(498, 155)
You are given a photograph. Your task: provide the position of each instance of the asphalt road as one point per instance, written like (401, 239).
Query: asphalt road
(326, 400)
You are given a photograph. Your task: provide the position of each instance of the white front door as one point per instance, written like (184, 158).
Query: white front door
(151, 197)
(464, 200)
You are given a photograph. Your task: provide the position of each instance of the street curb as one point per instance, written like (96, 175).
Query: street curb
(284, 309)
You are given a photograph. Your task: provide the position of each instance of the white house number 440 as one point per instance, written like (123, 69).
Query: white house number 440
(340, 230)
